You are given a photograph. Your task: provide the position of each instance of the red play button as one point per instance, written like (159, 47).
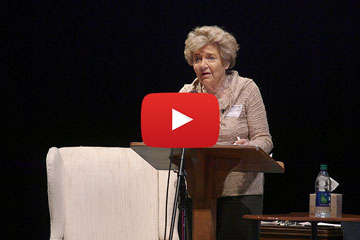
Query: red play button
(180, 120)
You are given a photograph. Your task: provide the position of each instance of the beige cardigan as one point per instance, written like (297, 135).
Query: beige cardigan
(242, 114)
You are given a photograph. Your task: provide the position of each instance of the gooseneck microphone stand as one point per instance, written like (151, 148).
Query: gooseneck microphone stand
(180, 189)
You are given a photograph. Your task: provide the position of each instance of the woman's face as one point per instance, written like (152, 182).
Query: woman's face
(209, 67)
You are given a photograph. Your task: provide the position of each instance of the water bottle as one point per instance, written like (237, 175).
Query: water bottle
(322, 191)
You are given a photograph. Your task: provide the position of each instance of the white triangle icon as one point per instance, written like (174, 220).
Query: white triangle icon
(179, 119)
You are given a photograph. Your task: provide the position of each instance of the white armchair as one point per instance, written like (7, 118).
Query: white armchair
(106, 193)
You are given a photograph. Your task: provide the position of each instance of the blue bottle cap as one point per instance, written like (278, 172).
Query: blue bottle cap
(323, 167)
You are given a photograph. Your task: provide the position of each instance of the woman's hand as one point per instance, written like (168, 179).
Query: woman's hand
(240, 141)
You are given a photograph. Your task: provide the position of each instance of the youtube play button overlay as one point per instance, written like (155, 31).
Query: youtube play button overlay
(180, 120)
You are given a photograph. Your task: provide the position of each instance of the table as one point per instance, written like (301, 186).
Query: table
(295, 231)
(304, 217)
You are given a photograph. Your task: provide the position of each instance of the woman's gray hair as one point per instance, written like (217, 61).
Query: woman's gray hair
(202, 36)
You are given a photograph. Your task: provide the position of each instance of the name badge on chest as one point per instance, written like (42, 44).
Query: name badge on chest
(235, 111)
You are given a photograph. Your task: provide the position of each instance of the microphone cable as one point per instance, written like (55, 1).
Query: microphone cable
(167, 191)
(167, 185)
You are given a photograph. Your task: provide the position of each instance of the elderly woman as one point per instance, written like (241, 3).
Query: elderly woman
(211, 51)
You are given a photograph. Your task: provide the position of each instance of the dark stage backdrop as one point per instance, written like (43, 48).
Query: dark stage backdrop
(78, 70)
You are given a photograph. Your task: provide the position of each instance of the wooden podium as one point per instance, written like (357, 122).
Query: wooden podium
(207, 169)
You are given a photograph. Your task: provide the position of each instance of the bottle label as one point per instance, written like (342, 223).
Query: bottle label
(323, 199)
